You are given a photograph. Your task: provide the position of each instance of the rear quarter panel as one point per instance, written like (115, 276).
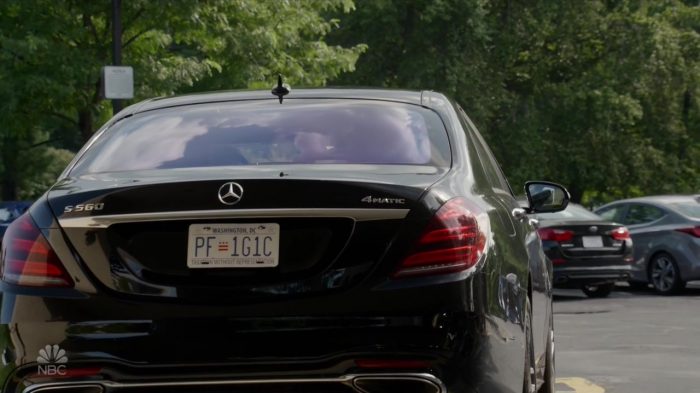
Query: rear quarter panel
(661, 236)
(649, 238)
(516, 264)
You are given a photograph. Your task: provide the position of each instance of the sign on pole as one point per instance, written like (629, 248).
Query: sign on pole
(118, 82)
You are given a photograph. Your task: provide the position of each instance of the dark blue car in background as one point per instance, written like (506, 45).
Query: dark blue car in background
(9, 211)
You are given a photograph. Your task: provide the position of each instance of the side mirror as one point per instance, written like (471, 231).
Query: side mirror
(546, 197)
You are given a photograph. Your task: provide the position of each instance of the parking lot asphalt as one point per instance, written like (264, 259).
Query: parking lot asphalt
(631, 342)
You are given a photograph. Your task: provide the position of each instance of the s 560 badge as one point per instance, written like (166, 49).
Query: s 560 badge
(87, 207)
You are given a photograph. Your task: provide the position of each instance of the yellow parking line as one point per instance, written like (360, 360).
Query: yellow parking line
(581, 385)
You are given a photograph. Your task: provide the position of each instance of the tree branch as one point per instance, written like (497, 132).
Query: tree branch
(15, 55)
(62, 116)
(87, 22)
(135, 36)
(96, 98)
(137, 15)
(46, 142)
(61, 38)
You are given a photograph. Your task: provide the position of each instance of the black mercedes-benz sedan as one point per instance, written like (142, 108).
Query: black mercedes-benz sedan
(586, 251)
(334, 241)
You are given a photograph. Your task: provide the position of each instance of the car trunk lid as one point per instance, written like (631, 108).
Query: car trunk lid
(131, 230)
(587, 239)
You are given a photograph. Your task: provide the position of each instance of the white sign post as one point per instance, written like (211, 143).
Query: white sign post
(118, 82)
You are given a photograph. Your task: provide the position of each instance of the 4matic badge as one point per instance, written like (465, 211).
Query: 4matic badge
(371, 199)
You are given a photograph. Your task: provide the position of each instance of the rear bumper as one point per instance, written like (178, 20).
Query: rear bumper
(257, 359)
(443, 331)
(351, 383)
(575, 277)
(684, 249)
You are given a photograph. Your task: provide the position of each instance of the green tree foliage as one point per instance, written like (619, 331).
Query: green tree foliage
(599, 95)
(51, 54)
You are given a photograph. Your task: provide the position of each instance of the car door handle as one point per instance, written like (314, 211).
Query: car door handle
(519, 213)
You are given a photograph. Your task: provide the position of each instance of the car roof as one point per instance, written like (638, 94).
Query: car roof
(661, 199)
(654, 199)
(402, 96)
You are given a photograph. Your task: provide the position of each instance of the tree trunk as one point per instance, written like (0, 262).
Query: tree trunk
(9, 189)
(85, 123)
(9, 173)
(576, 194)
(683, 145)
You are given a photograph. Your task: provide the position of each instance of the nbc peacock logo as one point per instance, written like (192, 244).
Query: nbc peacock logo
(52, 360)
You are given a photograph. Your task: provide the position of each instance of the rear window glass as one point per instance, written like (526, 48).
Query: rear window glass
(265, 132)
(642, 214)
(611, 213)
(689, 209)
(572, 212)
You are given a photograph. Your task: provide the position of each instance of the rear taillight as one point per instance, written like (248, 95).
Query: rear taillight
(620, 233)
(27, 258)
(556, 235)
(692, 231)
(453, 241)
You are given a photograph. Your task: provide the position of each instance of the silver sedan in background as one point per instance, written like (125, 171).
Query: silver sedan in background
(666, 235)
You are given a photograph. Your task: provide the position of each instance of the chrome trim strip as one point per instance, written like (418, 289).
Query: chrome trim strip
(348, 380)
(107, 220)
(434, 382)
(51, 389)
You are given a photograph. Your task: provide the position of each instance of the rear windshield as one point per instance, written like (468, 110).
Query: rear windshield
(572, 212)
(265, 132)
(689, 209)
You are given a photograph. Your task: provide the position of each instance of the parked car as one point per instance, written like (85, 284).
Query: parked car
(586, 251)
(9, 211)
(334, 240)
(666, 234)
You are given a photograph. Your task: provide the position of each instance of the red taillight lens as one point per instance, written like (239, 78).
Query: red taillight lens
(27, 258)
(620, 233)
(692, 231)
(453, 241)
(556, 235)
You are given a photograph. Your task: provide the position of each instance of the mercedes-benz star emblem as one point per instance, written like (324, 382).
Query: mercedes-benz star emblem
(230, 193)
(593, 229)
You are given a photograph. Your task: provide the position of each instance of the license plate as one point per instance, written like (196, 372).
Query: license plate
(233, 245)
(592, 241)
